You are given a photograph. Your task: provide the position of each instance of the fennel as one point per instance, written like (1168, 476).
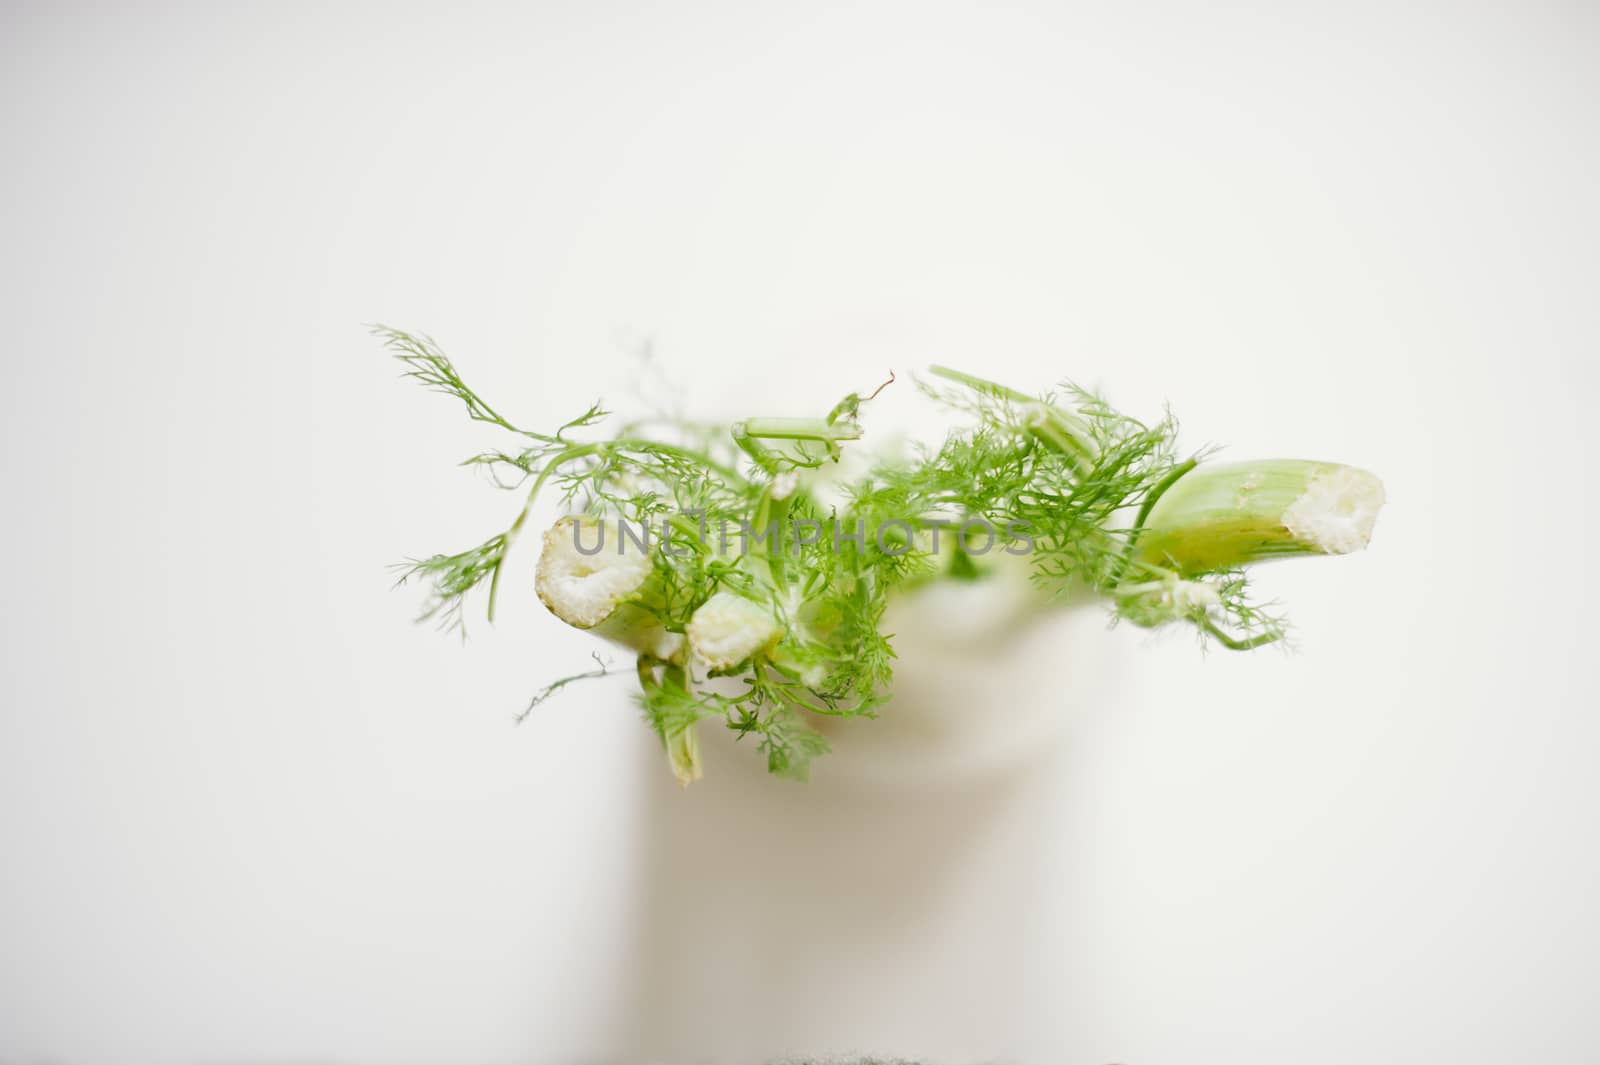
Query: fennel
(734, 555)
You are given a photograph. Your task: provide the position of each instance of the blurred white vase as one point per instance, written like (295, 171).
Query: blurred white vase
(890, 906)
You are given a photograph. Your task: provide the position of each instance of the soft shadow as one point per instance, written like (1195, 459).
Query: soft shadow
(783, 920)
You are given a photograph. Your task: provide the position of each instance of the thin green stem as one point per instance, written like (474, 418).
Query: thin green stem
(1234, 643)
(1047, 423)
(1151, 498)
(575, 452)
(699, 457)
(748, 434)
(978, 384)
(800, 429)
(692, 530)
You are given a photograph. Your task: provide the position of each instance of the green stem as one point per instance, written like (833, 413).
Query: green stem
(577, 451)
(1150, 500)
(1234, 643)
(698, 457)
(1058, 429)
(800, 429)
(978, 384)
(771, 512)
(692, 530)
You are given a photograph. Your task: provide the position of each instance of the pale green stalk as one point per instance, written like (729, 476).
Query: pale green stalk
(1220, 517)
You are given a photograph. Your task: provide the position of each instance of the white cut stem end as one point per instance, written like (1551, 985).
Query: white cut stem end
(1337, 511)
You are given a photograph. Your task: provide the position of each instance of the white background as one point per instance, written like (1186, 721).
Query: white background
(249, 812)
